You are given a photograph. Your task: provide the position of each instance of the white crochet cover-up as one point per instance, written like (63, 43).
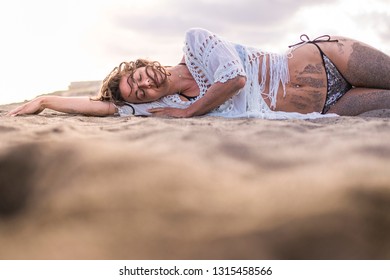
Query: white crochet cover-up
(212, 59)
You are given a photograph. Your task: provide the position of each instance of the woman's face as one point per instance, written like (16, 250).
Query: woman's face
(145, 85)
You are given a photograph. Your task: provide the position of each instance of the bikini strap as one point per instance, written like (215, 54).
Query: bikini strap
(189, 98)
(305, 40)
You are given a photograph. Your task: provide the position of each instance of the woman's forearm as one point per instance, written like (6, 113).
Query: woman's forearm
(216, 95)
(73, 105)
(78, 105)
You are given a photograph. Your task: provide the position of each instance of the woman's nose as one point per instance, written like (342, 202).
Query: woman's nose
(146, 84)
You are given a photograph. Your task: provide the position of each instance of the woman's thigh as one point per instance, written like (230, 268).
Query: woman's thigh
(361, 65)
(360, 100)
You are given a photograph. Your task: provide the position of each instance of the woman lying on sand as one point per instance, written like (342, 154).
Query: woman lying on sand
(217, 77)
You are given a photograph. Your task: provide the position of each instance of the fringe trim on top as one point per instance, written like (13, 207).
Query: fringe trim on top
(278, 74)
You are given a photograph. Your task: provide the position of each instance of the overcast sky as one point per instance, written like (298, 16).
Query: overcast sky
(47, 44)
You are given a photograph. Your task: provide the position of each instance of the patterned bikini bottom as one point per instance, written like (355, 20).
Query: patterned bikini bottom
(337, 85)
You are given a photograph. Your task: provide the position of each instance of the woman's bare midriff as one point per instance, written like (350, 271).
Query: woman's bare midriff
(306, 91)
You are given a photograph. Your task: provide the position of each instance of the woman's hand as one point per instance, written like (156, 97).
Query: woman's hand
(34, 106)
(169, 112)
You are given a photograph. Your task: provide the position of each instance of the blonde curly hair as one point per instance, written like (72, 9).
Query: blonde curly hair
(110, 91)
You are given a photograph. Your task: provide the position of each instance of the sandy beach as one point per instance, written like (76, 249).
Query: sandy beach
(77, 187)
